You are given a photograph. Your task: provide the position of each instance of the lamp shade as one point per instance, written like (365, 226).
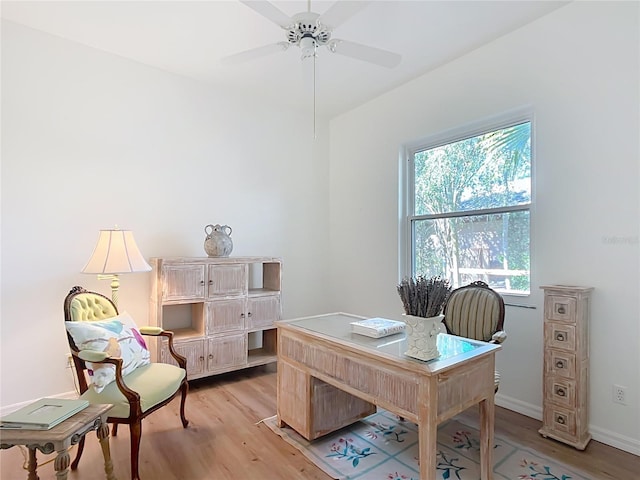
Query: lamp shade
(116, 252)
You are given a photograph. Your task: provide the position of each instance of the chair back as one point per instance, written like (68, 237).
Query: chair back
(81, 305)
(474, 311)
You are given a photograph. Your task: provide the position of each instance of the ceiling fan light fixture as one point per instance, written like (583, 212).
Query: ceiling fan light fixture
(308, 47)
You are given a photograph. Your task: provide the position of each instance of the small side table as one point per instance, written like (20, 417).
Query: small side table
(61, 437)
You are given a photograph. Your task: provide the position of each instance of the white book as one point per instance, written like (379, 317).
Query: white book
(377, 327)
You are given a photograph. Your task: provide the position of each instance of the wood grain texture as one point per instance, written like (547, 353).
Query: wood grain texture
(566, 364)
(359, 377)
(223, 441)
(219, 301)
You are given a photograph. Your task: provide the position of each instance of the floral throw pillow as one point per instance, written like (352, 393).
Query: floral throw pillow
(119, 337)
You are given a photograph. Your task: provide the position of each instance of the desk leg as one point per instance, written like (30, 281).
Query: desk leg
(103, 437)
(487, 424)
(61, 464)
(33, 465)
(427, 446)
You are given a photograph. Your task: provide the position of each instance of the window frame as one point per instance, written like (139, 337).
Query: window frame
(407, 187)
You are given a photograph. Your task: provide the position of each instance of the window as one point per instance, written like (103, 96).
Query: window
(468, 208)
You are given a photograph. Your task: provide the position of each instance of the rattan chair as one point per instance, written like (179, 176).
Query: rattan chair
(135, 395)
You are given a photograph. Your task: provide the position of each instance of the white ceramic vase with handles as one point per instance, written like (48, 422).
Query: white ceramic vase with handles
(422, 336)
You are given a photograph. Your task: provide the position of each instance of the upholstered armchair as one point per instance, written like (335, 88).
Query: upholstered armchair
(476, 311)
(109, 350)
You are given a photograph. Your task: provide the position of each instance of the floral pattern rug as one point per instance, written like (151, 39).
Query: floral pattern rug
(380, 447)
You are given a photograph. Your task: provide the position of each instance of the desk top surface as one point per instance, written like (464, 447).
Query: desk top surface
(337, 326)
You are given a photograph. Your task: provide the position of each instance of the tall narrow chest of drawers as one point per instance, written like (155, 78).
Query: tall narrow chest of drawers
(566, 364)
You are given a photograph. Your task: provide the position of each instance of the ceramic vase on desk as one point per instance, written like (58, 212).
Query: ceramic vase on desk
(422, 336)
(423, 300)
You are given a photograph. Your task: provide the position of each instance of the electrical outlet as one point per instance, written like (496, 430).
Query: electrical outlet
(620, 394)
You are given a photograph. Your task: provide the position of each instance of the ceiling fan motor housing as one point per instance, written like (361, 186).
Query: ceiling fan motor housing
(307, 26)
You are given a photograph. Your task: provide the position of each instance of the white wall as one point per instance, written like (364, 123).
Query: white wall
(90, 140)
(577, 68)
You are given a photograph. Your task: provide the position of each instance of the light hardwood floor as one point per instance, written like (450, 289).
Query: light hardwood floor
(225, 442)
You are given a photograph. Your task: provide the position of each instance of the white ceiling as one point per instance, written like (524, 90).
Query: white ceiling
(190, 38)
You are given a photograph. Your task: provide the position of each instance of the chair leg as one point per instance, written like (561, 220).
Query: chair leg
(185, 389)
(135, 430)
(76, 460)
(114, 430)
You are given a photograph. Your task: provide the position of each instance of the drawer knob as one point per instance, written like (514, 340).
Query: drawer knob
(201, 282)
(201, 358)
(561, 309)
(210, 282)
(249, 314)
(560, 364)
(560, 419)
(242, 315)
(561, 392)
(560, 336)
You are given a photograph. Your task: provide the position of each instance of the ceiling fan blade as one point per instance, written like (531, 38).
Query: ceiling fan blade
(340, 12)
(255, 53)
(380, 57)
(269, 11)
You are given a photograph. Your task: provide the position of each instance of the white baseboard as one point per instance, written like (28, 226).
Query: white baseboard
(527, 409)
(602, 435)
(628, 444)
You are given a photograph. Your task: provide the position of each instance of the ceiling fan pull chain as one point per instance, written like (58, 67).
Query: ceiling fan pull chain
(314, 98)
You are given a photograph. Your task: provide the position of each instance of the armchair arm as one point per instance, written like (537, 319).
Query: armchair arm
(182, 361)
(154, 331)
(97, 357)
(499, 337)
(160, 332)
(92, 355)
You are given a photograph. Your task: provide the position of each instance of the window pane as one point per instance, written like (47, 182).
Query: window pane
(492, 248)
(487, 171)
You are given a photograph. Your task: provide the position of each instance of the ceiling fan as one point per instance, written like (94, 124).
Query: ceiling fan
(309, 30)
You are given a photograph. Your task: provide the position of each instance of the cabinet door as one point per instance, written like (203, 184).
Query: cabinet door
(226, 351)
(227, 280)
(192, 350)
(182, 282)
(263, 311)
(225, 315)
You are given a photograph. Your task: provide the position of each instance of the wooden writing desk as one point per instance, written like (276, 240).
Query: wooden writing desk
(329, 377)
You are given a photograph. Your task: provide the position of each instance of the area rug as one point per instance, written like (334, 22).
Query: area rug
(381, 447)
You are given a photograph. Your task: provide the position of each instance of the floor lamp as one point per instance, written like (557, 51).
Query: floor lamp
(115, 253)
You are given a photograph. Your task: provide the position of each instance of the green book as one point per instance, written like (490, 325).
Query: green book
(43, 414)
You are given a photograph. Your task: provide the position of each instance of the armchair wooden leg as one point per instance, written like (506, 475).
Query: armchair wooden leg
(185, 390)
(114, 430)
(76, 460)
(135, 430)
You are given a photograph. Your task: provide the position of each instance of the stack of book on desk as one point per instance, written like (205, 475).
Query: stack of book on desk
(44, 414)
(377, 327)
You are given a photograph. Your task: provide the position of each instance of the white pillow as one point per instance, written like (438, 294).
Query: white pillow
(119, 336)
